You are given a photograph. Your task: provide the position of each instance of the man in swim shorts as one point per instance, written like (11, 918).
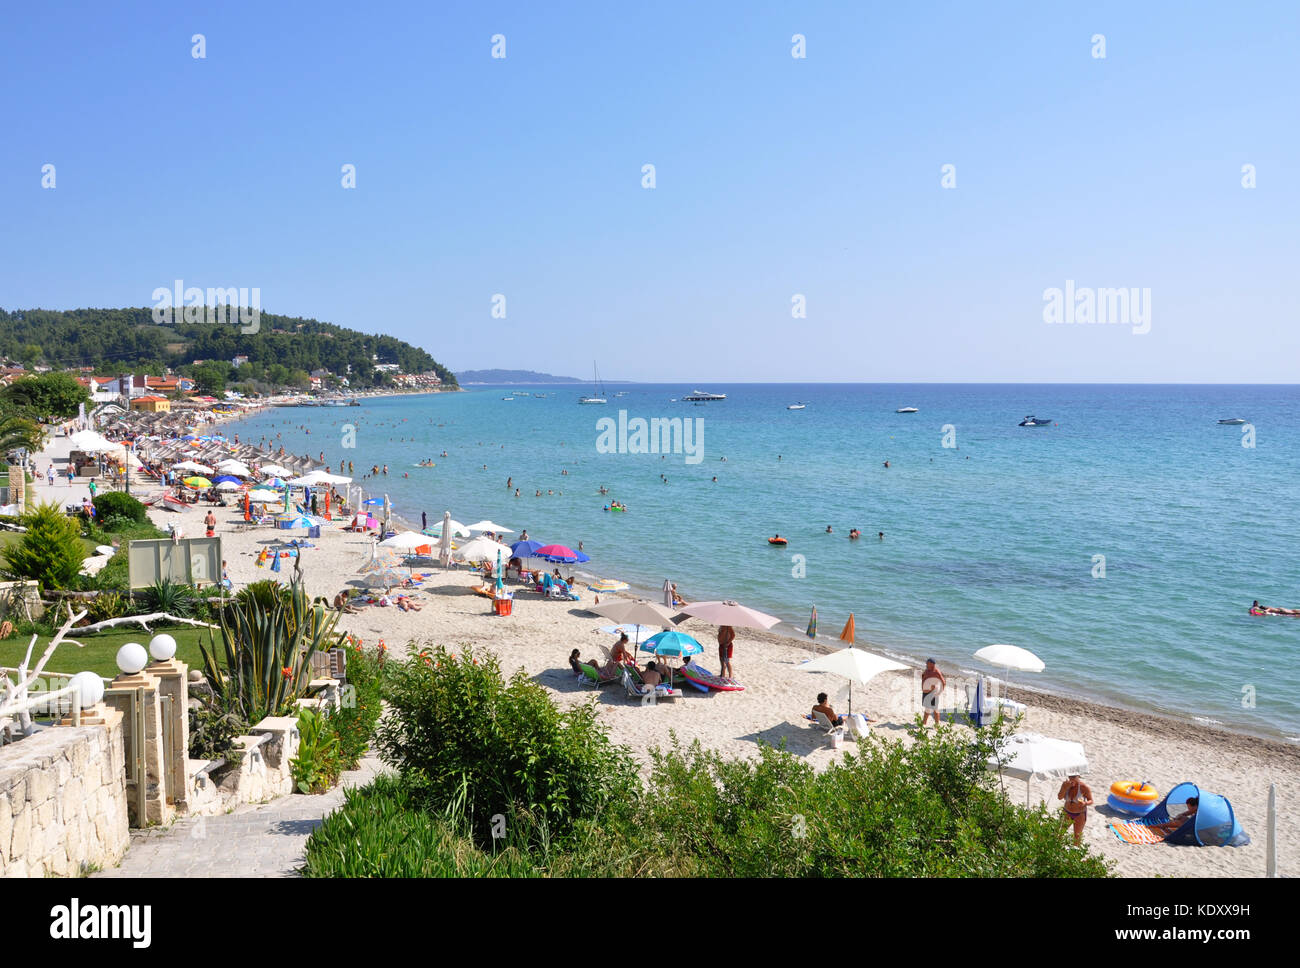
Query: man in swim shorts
(932, 685)
(726, 640)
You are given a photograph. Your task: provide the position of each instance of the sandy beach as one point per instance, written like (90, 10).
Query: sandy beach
(539, 634)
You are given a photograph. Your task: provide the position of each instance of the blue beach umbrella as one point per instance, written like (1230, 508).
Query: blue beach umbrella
(672, 642)
(526, 549)
(226, 477)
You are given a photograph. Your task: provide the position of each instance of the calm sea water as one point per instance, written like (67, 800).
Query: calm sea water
(994, 539)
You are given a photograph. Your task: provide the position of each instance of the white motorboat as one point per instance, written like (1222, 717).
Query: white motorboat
(796, 406)
(699, 396)
(907, 410)
(1235, 421)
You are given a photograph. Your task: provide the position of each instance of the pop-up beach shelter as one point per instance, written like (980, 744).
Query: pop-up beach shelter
(1215, 823)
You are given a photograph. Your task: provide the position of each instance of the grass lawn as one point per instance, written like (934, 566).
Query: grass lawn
(100, 652)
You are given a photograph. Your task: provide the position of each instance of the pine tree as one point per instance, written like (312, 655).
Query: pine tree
(50, 552)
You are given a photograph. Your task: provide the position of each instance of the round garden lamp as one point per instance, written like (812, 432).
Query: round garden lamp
(131, 658)
(162, 647)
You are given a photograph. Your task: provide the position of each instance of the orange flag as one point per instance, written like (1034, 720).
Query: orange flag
(849, 630)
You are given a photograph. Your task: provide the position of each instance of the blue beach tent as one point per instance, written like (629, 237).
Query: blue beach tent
(1215, 824)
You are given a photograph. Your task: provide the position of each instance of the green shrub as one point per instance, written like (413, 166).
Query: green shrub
(385, 829)
(456, 725)
(105, 606)
(212, 733)
(174, 598)
(355, 722)
(316, 767)
(116, 504)
(50, 551)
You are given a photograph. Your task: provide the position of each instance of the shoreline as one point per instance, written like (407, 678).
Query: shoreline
(1118, 712)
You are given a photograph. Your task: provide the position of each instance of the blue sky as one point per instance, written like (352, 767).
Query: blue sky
(775, 176)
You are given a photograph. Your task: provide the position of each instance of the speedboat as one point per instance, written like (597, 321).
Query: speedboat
(1235, 421)
(796, 406)
(907, 410)
(1032, 421)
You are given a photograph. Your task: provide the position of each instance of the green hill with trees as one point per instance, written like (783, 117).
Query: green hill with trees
(284, 349)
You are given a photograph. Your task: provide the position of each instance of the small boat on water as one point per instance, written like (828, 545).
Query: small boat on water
(598, 396)
(907, 410)
(507, 398)
(1032, 421)
(700, 396)
(777, 540)
(796, 406)
(1235, 421)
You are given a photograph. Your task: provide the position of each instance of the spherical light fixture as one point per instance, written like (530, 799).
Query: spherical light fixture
(162, 647)
(90, 686)
(131, 658)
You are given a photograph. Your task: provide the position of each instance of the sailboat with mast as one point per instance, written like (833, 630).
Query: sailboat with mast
(598, 395)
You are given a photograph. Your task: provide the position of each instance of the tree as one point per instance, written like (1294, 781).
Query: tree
(55, 395)
(19, 433)
(210, 377)
(51, 551)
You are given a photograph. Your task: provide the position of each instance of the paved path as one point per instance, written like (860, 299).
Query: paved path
(254, 840)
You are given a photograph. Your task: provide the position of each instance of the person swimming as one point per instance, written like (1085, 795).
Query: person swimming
(828, 529)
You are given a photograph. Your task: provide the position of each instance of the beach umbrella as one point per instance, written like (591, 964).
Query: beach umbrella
(294, 520)
(387, 575)
(730, 613)
(228, 486)
(444, 544)
(198, 482)
(234, 467)
(609, 585)
(406, 541)
(316, 478)
(500, 584)
(456, 529)
(192, 465)
(275, 470)
(558, 553)
(668, 593)
(488, 526)
(275, 561)
(525, 549)
(853, 664)
(226, 479)
(481, 549)
(90, 441)
(1011, 657)
(1030, 756)
(672, 642)
(812, 624)
(263, 496)
(637, 611)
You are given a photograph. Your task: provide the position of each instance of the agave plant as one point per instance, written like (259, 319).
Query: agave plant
(267, 645)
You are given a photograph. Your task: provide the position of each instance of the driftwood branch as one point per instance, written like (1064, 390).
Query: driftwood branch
(143, 621)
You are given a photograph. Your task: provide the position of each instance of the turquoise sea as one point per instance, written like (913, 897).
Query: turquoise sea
(994, 539)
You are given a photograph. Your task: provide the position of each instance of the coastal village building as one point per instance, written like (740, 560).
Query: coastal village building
(152, 404)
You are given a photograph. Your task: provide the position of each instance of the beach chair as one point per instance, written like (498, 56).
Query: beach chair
(822, 722)
(637, 690)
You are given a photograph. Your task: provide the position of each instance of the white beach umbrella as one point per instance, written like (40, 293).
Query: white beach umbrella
(856, 665)
(444, 543)
(1011, 657)
(730, 613)
(192, 465)
(481, 549)
(316, 478)
(489, 526)
(275, 470)
(406, 541)
(228, 486)
(457, 529)
(263, 496)
(1029, 756)
(91, 441)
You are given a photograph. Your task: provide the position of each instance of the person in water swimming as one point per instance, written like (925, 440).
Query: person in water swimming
(828, 529)
(855, 533)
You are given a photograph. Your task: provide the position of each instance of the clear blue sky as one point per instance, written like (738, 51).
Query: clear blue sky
(775, 176)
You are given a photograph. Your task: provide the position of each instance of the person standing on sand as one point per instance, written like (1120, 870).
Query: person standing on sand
(210, 522)
(932, 685)
(1078, 798)
(726, 646)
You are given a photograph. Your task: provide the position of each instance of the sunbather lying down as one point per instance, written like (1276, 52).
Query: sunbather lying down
(342, 604)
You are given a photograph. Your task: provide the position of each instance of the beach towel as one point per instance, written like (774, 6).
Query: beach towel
(1136, 832)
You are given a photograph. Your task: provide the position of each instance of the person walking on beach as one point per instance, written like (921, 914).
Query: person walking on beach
(49, 474)
(210, 522)
(726, 642)
(1078, 798)
(932, 685)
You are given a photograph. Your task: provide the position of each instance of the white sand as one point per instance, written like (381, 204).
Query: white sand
(540, 634)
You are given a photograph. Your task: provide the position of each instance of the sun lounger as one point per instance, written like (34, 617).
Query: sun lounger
(636, 690)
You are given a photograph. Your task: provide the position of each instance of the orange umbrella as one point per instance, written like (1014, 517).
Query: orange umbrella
(849, 630)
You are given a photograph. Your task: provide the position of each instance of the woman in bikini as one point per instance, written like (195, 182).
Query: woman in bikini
(1078, 798)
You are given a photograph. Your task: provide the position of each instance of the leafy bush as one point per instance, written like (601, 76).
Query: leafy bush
(355, 722)
(387, 830)
(264, 663)
(50, 551)
(456, 725)
(174, 598)
(212, 733)
(116, 504)
(316, 767)
(105, 606)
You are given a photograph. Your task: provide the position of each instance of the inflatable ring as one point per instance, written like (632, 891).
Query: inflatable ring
(1135, 791)
(776, 541)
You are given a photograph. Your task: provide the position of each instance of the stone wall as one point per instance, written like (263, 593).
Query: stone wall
(63, 800)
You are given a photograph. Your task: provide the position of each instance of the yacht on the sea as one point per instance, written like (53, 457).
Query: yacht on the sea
(599, 396)
(907, 410)
(796, 406)
(699, 396)
(1032, 421)
(1235, 421)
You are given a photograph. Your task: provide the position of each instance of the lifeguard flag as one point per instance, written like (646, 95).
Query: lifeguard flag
(849, 630)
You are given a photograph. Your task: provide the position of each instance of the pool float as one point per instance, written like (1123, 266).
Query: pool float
(610, 507)
(703, 677)
(1294, 613)
(1133, 796)
(777, 541)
